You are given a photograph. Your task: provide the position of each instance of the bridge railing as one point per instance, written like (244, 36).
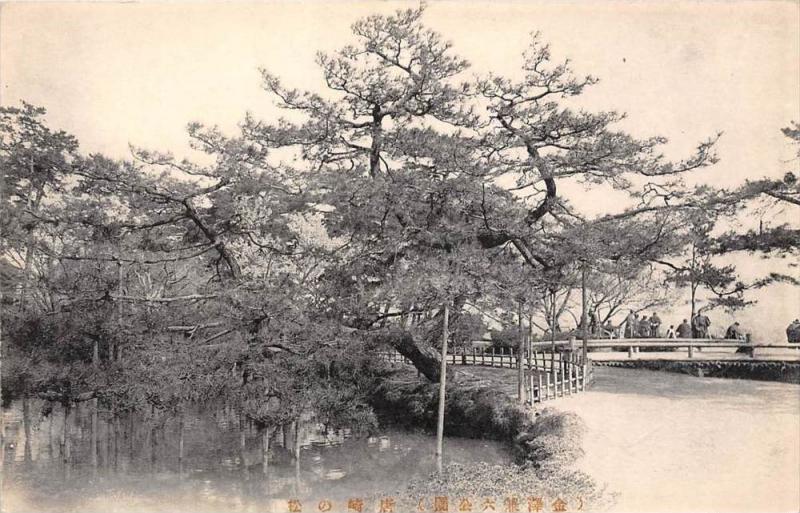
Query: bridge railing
(634, 345)
(546, 375)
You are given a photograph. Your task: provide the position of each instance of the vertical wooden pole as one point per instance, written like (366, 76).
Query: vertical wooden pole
(93, 406)
(584, 313)
(553, 321)
(531, 390)
(180, 443)
(116, 440)
(65, 441)
(2, 420)
(297, 456)
(539, 380)
(265, 435)
(442, 387)
(26, 423)
(520, 359)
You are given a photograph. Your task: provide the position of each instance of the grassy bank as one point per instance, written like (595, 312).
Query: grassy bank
(545, 443)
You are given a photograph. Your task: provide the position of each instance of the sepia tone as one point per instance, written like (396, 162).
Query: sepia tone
(247, 267)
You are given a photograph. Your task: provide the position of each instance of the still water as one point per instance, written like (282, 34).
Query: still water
(138, 469)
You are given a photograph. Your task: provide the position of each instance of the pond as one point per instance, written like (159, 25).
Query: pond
(138, 469)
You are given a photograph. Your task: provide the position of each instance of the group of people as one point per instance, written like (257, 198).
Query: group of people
(642, 327)
(636, 326)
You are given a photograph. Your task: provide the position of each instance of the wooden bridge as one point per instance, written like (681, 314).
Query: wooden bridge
(559, 369)
(548, 375)
(607, 350)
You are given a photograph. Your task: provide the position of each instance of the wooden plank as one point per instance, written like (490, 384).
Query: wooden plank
(539, 380)
(530, 387)
(572, 378)
(547, 387)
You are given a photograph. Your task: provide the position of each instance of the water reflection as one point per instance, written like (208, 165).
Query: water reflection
(204, 462)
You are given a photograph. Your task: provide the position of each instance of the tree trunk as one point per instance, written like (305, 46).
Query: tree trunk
(153, 446)
(288, 431)
(422, 352)
(33, 205)
(423, 356)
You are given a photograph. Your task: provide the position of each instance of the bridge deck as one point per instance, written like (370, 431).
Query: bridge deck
(706, 354)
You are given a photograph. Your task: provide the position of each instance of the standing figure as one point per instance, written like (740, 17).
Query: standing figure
(655, 324)
(609, 330)
(644, 327)
(671, 331)
(793, 332)
(631, 322)
(684, 330)
(701, 325)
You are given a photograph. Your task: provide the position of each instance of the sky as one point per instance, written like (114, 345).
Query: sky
(115, 74)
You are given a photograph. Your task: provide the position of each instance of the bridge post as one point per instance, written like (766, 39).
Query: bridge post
(630, 351)
(691, 350)
(539, 379)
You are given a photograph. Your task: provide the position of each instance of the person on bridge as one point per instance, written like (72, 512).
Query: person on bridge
(609, 330)
(734, 332)
(631, 323)
(644, 328)
(655, 324)
(701, 323)
(671, 331)
(793, 332)
(684, 330)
